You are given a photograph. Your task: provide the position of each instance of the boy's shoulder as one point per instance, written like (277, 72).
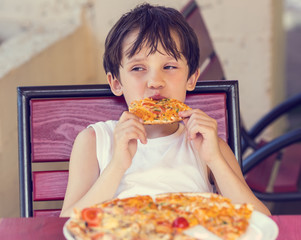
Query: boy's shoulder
(91, 130)
(99, 129)
(86, 135)
(110, 124)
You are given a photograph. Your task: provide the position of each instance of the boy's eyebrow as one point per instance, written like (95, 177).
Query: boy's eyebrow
(135, 59)
(138, 59)
(170, 58)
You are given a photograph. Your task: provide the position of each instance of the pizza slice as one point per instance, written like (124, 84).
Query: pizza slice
(163, 216)
(214, 212)
(160, 111)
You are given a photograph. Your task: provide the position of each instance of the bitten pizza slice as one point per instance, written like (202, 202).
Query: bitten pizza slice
(160, 111)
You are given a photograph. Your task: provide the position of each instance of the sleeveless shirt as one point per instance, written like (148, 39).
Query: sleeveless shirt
(164, 164)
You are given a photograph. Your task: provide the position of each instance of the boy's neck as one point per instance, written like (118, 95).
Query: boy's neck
(161, 130)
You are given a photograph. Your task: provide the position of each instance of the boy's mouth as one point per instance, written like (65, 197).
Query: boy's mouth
(157, 97)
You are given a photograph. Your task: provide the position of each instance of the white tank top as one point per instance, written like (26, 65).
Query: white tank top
(165, 164)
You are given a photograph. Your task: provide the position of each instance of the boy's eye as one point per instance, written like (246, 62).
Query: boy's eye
(170, 67)
(137, 69)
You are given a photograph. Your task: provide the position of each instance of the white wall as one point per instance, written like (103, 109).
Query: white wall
(54, 51)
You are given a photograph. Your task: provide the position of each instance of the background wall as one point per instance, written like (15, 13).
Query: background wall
(52, 44)
(47, 42)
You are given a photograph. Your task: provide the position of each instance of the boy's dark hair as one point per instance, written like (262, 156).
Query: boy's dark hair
(155, 24)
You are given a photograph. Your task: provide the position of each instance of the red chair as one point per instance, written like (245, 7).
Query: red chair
(50, 117)
(283, 152)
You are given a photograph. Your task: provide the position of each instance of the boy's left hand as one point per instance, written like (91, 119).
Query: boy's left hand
(202, 130)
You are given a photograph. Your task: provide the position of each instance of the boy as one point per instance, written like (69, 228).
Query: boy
(152, 52)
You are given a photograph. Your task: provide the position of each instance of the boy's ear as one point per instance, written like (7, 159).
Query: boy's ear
(190, 85)
(115, 84)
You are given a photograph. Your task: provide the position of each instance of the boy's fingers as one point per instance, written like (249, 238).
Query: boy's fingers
(129, 133)
(141, 135)
(200, 120)
(138, 134)
(127, 115)
(189, 112)
(132, 127)
(185, 120)
(184, 114)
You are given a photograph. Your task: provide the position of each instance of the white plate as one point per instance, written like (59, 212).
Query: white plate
(261, 228)
(66, 233)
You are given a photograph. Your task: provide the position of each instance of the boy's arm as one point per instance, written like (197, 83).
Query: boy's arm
(230, 181)
(85, 186)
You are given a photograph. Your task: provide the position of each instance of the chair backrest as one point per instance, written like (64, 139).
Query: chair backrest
(211, 68)
(50, 117)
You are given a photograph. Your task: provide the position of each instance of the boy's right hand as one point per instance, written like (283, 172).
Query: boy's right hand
(127, 131)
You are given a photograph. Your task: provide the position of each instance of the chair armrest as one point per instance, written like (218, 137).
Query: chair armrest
(278, 197)
(276, 112)
(270, 148)
(248, 137)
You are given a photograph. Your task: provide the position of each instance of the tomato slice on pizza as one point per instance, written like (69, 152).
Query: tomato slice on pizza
(91, 216)
(161, 111)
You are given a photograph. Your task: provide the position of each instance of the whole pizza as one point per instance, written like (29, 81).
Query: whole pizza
(158, 111)
(164, 216)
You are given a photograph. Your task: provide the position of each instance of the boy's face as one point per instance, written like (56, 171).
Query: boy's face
(156, 75)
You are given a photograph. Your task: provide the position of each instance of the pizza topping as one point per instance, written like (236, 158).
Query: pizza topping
(158, 111)
(91, 216)
(180, 222)
(165, 216)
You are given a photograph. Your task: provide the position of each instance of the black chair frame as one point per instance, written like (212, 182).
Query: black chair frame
(260, 153)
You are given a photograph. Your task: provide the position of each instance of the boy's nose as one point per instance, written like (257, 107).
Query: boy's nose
(156, 81)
